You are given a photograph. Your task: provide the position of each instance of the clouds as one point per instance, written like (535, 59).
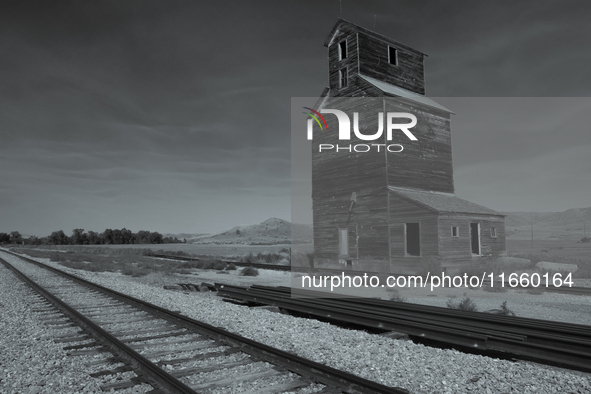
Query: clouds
(174, 115)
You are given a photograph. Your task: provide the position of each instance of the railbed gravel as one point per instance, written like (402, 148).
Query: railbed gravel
(395, 363)
(30, 361)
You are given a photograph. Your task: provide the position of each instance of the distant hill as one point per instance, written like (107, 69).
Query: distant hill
(570, 224)
(273, 231)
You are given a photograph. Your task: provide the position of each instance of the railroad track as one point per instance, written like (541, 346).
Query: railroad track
(574, 290)
(555, 343)
(170, 352)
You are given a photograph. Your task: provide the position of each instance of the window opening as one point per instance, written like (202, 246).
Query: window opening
(392, 56)
(413, 239)
(475, 238)
(343, 77)
(343, 50)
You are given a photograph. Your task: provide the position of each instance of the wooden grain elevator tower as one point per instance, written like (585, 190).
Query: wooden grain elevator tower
(384, 211)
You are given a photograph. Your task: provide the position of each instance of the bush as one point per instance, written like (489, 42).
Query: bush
(505, 310)
(207, 264)
(219, 265)
(231, 267)
(466, 304)
(249, 271)
(135, 272)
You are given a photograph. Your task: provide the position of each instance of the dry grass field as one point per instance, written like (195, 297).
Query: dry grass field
(228, 251)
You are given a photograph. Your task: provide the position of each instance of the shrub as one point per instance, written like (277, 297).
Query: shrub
(231, 267)
(191, 264)
(505, 310)
(466, 304)
(135, 272)
(207, 264)
(219, 265)
(395, 295)
(249, 271)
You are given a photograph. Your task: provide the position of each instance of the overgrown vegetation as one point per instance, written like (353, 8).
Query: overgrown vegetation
(465, 304)
(395, 296)
(505, 310)
(281, 258)
(249, 271)
(132, 262)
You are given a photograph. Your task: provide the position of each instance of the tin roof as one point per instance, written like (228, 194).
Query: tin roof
(403, 93)
(441, 202)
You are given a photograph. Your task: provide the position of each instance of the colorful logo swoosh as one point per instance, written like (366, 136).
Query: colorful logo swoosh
(316, 118)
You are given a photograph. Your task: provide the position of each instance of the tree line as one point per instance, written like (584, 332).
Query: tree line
(80, 237)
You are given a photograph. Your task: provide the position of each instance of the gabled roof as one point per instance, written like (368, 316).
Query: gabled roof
(441, 202)
(407, 94)
(340, 22)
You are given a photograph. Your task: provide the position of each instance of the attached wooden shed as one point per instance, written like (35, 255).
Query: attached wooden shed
(427, 224)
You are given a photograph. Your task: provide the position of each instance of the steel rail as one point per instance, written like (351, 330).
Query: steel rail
(559, 335)
(152, 374)
(312, 370)
(507, 321)
(570, 349)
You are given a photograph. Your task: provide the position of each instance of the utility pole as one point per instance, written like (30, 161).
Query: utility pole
(532, 234)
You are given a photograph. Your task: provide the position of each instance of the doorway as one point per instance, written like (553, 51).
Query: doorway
(475, 238)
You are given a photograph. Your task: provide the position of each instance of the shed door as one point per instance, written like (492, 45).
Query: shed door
(475, 237)
(413, 239)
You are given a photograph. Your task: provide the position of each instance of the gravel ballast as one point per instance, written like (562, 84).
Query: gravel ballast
(417, 368)
(30, 361)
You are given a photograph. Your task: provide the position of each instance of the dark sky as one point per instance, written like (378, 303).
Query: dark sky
(174, 116)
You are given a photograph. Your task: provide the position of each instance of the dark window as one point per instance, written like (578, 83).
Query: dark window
(392, 56)
(343, 77)
(342, 50)
(455, 231)
(413, 239)
(493, 232)
(475, 238)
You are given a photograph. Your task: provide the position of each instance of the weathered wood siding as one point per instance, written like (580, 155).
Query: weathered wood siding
(349, 34)
(335, 176)
(456, 251)
(373, 62)
(424, 164)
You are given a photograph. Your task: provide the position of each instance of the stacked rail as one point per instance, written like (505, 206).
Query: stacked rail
(574, 290)
(97, 310)
(556, 343)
